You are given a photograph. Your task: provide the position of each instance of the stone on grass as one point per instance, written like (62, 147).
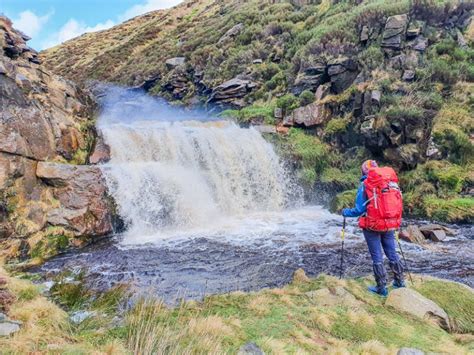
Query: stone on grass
(250, 349)
(411, 302)
(7, 328)
(410, 351)
(334, 296)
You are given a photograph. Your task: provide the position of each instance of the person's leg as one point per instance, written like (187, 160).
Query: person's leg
(389, 247)
(374, 244)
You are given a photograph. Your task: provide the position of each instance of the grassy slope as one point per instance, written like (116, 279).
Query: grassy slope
(279, 320)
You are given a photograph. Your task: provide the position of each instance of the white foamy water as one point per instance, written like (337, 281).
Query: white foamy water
(190, 177)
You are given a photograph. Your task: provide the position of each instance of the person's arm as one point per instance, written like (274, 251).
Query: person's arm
(360, 204)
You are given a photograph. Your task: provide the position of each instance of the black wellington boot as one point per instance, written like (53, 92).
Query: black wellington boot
(398, 278)
(380, 279)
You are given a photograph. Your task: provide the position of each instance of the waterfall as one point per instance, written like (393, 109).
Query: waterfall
(189, 174)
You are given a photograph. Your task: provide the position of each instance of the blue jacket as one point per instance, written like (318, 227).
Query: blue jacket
(360, 202)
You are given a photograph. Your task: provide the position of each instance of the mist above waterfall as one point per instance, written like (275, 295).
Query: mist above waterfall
(173, 170)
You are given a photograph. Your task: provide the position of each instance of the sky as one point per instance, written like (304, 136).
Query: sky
(50, 22)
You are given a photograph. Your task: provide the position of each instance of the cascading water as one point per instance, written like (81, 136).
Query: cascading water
(205, 203)
(169, 175)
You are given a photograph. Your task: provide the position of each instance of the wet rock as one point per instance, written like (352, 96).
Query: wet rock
(250, 349)
(265, 128)
(411, 302)
(337, 296)
(410, 351)
(101, 151)
(394, 31)
(413, 234)
(8, 328)
(342, 73)
(172, 63)
(231, 33)
(230, 91)
(427, 228)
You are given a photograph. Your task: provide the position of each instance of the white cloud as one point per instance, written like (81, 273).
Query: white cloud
(74, 28)
(147, 6)
(30, 23)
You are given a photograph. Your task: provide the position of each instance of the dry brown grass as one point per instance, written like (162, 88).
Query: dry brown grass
(260, 305)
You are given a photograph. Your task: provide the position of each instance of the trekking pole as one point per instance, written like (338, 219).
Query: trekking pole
(403, 255)
(343, 232)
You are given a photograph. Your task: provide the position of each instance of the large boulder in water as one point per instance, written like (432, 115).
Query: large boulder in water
(409, 301)
(81, 193)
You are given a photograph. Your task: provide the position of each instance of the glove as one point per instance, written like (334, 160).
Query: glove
(344, 212)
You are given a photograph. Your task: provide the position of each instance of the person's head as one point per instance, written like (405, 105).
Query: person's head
(367, 165)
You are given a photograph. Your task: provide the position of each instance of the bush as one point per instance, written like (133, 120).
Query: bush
(287, 102)
(404, 113)
(443, 71)
(343, 200)
(306, 97)
(336, 126)
(456, 210)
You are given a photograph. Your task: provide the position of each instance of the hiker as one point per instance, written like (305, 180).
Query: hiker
(379, 205)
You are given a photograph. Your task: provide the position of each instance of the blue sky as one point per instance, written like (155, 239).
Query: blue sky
(50, 22)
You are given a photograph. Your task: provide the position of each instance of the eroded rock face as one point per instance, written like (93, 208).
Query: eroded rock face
(231, 92)
(44, 117)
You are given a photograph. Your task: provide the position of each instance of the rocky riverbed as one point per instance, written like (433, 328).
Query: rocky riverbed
(263, 252)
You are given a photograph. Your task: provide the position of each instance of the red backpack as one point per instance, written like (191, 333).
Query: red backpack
(384, 204)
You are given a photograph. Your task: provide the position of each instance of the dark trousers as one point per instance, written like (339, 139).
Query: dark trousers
(377, 241)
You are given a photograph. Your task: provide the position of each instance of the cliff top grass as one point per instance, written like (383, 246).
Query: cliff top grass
(285, 320)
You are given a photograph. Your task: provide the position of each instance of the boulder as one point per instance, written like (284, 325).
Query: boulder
(231, 33)
(81, 192)
(250, 349)
(428, 228)
(409, 301)
(231, 90)
(334, 296)
(172, 63)
(101, 152)
(405, 156)
(364, 34)
(394, 31)
(309, 115)
(342, 73)
(311, 75)
(410, 351)
(413, 234)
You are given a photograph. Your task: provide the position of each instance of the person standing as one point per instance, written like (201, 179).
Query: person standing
(378, 205)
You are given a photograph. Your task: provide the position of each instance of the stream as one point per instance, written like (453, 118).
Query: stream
(208, 207)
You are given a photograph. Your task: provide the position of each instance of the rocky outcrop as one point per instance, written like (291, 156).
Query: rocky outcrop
(231, 92)
(231, 33)
(342, 73)
(44, 117)
(411, 302)
(394, 31)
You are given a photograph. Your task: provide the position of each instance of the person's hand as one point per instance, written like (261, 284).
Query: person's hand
(344, 212)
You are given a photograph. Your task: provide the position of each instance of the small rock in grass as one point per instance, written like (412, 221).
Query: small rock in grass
(410, 351)
(80, 316)
(7, 328)
(250, 349)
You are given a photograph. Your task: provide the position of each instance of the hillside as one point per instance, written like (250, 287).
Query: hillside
(346, 80)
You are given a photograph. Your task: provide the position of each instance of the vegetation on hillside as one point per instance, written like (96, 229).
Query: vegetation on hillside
(286, 320)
